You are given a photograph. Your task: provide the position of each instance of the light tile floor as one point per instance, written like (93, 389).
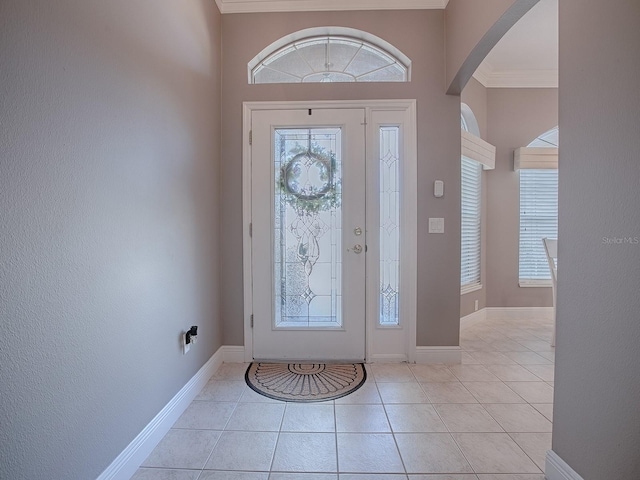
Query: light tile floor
(486, 419)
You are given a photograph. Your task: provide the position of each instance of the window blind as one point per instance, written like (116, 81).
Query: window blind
(471, 211)
(538, 219)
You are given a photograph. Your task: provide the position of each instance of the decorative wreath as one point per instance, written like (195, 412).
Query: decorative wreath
(308, 199)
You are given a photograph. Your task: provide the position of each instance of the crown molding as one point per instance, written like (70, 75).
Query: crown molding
(491, 78)
(254, 6)
(524, 79)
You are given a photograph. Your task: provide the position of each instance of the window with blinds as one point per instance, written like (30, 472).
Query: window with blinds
(470, 218)
(538, 219)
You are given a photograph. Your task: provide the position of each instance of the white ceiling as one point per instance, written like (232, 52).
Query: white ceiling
(527, 56)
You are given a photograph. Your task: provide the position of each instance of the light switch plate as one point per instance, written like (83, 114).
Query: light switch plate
(436, 225)
(438, 188)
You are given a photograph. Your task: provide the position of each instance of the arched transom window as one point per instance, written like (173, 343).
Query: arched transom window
(547, 139)
(330, 58)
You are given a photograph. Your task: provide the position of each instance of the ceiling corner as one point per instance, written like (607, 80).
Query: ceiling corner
(483, 73)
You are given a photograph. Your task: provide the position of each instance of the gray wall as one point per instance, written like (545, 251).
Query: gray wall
(514, 117)
(475, 96)
(597, 415)
(109, 151)
(420, 35)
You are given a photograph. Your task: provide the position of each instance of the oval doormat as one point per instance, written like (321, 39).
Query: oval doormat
(301, 382)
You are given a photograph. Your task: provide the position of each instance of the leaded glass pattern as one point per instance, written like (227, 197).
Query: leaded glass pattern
(307, 228)
(329, 59)
(389, 225)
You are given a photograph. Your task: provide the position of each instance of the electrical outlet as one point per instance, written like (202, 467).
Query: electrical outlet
(476, 306)
(185, 346)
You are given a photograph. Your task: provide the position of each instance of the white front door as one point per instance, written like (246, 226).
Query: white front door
(323, 279)
(308, 234)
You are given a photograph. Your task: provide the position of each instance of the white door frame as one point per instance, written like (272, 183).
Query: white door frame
(408, 238)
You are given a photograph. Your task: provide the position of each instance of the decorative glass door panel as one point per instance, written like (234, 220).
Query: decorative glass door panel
(389, 203)
(308, 227)
(308, 215)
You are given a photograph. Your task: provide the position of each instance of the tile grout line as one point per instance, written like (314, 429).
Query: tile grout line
(275, 449)
(393, 434)
(523, 450)
(224, 429)
(451, 434)
(335, 430)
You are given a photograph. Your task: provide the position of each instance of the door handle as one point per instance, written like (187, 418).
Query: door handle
(357, 248)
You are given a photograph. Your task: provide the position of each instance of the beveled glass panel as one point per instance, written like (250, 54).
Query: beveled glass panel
(389, 225)
(291, 62)
(392, 73)
(307, 228)
(341, 53)
(330, 77)
(327, 60)
(314, 52)
(266, 75)
(368, 60)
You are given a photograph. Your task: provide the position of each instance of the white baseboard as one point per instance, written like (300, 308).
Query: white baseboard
(519, 313)
(558, 469)
(473, 318)
(126, 464)
(233, 354)
(451, 354)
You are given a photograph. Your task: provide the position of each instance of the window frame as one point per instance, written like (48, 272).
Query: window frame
(474, 169)
(473, 172)
(546, 201)
(365, 39)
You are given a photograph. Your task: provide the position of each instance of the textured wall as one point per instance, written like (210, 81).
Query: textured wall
(418, 34)
(515, 117)
(597, 415)
(109, 146)
(475, 96)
